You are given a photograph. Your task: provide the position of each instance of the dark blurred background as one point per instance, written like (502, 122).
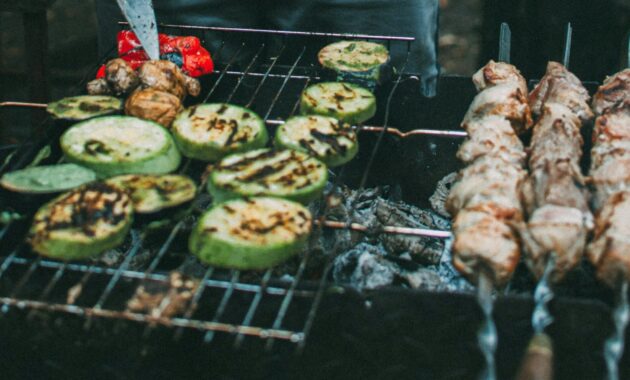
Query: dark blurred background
(65, 32)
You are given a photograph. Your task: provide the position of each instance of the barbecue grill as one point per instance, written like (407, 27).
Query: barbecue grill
(76, 317)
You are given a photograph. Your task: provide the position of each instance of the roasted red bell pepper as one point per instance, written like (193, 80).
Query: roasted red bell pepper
(186, 52)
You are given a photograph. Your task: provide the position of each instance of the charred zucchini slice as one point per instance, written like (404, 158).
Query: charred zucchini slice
(360, 62)
(116, 145)
(47, 179)
(283, 173)
(344, 101)
(255, 233)
(323, 137)
(82, 223)
(152, 193)
(84, 107)
(209, 132)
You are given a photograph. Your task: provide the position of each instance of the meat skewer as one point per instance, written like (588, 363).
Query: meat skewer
(485, 202)
(610, 176)
(555, 196)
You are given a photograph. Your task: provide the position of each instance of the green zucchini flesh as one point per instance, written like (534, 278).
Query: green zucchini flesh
(47, 179)
(360, 62)
(283, 173)
(208, 132)
(347, 102)
(82, 223)
(152, 193)
(84, 107)
(116, 145)
(254, 233)
(323, 137)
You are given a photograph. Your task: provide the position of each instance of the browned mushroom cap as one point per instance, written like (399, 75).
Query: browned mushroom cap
(98, 87)
(163, 76)
(151, 104)
(120, 76)
(192, 85)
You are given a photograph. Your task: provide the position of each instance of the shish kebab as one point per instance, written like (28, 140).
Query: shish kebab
(609, 250)
(555, 197)
(485, 201)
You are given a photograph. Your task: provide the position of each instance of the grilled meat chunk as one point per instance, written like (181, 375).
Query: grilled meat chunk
(491, 136)
(150, 104)
(505, 100)
(554, 229)
(559, 85)
(488, 185)
(613, 124)
(484, 242)
(610, 249)
(496, 73)
(614, 91)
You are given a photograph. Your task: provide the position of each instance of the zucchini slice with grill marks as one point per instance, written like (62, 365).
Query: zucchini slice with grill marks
(84, 107)
(82, 223)
(254, 233)
(360, 62)
(208, 132)
(152, 193)
(47, 179)
(283, 173)
(344, 101)
(323, 137)
(116, 145)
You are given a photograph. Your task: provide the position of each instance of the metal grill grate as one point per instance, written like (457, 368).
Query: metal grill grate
(268, 76)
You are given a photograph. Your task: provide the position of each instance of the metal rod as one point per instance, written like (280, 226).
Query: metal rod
(222, 74)
(420, 232)
(614, 345)
(397, 132)
(224, 302)
(138, 317)
(25, 277)
(505, 43)
(541, 318)
(238, 341)
(265, 76)
(194, 303)
(23, 104)
(284, 83)
(284, 32)
(379, 140)
(247, 69)
(566, 55)
(487, 333)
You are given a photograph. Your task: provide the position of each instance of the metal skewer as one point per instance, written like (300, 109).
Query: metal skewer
(538, 360)
(487, 338)
(614, 345)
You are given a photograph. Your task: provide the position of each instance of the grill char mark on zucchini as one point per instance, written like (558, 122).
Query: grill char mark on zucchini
(94, 203)
(284, 173)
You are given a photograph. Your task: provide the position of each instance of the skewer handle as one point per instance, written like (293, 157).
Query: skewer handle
(537, 363)
(566, 56)
(505, 42)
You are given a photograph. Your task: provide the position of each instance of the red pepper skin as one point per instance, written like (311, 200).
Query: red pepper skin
(196, 59)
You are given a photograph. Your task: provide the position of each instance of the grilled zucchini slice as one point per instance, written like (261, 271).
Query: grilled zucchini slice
(323, 137)
(344, 101)
(152, 193)
(283, 173)
(116, 145)
(360, 62)
(82, 223)
(255, 233)
(209, 132)
(77, 108)
(47, 179)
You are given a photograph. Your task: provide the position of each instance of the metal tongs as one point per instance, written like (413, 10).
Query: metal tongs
(141, 18)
